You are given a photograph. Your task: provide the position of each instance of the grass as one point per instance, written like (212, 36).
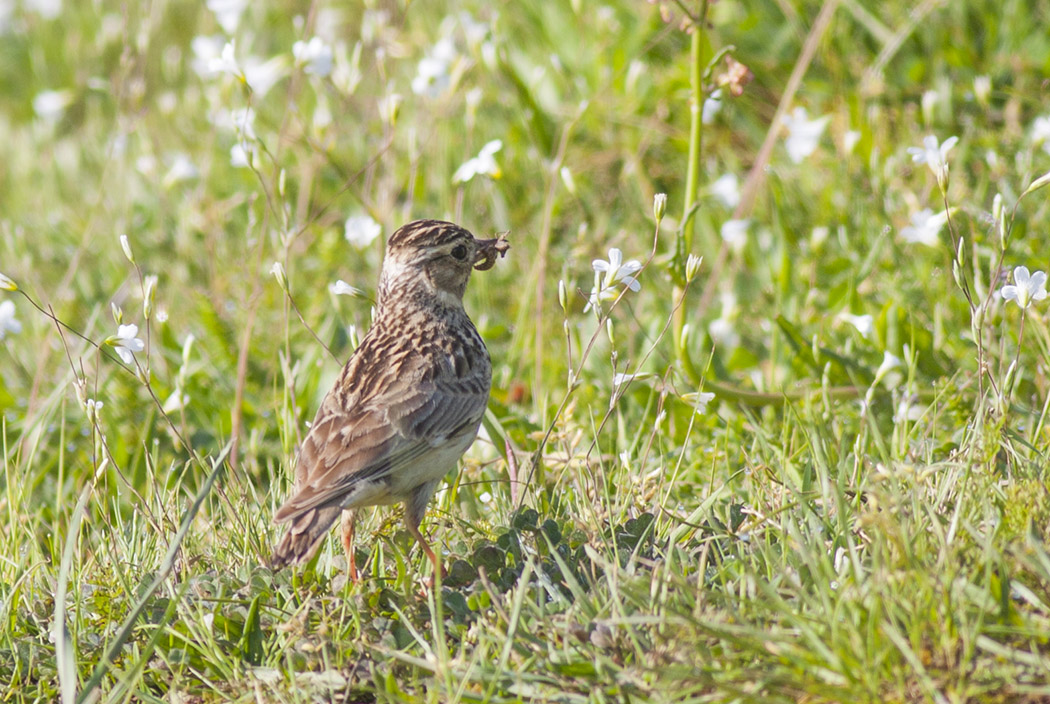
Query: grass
(836, 525)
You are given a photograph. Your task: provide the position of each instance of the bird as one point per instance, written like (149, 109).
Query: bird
(407, 404)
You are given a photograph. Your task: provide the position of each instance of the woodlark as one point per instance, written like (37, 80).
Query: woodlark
(409, 401)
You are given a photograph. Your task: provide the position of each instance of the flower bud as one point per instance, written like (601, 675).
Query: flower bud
(390, 108)
(1000, 220)
(278, 272)
(92, 407)
(659, 206)
(148, 295)
(7, 284)
(942, 176)
(563, 298)
(982, 89)
(118, 314)
(187, 347)
(929, 102)
(978, 317)
(568, 180)
(1037, 184)
(126, 246)
(692, 267)
(1011, 377)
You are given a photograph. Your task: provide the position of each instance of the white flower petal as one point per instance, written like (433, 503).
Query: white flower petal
(630, 267)
(341, 288)
(702, 399)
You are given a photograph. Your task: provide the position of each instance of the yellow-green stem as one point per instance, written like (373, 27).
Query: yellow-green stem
(684, 243)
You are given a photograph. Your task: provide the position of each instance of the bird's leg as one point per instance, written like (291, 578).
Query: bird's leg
(418, 535)
(415, 507)
(347, 525)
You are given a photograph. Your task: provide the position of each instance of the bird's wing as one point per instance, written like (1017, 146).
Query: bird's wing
(350, 450)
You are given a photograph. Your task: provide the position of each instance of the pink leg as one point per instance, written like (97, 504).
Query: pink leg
(347, 525)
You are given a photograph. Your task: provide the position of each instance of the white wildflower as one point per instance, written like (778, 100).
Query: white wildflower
(850, 140)
(476, 32)
(484, 164)
(361, 230)
(226, 62)
(712, 106)
(433, 72)
(242, 120)
(177, 400)
(126, 343)
(890, 362)
(607, 274)
(1041, 133)
(865, 324)
(699, 400)
(925, 227)
(315, 55)
(8, 322)
(935, 155)
(261, 75)
(722, 329)
(723, 332)
(1025, 288)
(205, 50)
(241, 155)
(803, 134)
(47, 9)
(734, 233)
(182, 169)
(50, 105)
(727, 190)
(228, 13)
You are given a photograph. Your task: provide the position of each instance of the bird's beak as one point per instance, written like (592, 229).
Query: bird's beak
(489, 250)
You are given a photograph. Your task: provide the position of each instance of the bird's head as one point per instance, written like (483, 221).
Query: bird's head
(434, 258)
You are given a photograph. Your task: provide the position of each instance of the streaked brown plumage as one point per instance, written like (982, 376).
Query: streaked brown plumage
(409, 401)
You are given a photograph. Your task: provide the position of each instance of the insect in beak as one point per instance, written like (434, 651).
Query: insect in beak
(489, 250)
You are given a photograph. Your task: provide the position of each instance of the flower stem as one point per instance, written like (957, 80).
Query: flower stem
(684, 241)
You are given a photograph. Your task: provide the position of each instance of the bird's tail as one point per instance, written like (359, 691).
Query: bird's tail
(304, 535)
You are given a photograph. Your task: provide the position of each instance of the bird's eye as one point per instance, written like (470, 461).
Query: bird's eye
(459, 252)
